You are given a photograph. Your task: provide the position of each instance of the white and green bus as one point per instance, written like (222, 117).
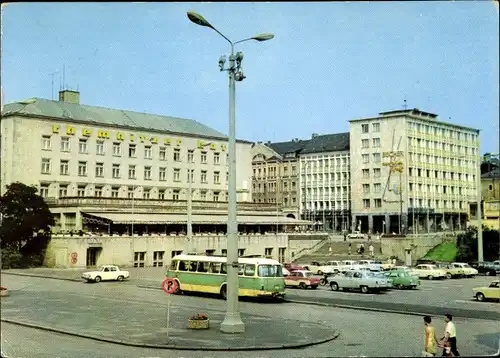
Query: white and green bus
(258, 277)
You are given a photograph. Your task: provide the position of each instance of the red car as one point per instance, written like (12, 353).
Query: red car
(302, 279)
(293, 267)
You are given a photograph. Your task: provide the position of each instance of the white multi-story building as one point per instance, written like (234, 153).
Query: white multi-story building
(325, 181)
(439, 162)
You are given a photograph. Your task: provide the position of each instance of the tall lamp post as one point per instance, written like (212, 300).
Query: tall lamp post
(232, 321)
(479, 193)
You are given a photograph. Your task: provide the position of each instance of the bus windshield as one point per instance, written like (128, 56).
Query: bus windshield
(270, 271)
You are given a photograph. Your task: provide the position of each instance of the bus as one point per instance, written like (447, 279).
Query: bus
(258, 276)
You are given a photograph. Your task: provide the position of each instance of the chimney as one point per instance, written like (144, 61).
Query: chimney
(69, 96)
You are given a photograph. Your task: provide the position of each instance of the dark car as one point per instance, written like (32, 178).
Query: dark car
(486, 268)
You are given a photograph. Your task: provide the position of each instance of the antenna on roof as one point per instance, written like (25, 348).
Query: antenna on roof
(64, 77)
(405, 106)
(52, 88)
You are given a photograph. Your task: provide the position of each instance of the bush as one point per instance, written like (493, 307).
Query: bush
(12, 258)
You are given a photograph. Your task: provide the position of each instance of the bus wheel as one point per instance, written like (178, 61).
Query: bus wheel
(223, 292)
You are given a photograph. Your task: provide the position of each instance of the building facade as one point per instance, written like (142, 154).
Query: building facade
(411, 172)
(325, 179)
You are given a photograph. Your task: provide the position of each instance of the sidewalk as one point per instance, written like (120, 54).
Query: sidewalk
(144, 324)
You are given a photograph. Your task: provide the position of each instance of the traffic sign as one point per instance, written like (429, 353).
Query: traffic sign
(169, 286)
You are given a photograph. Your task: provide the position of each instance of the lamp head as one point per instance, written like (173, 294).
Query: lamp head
(222, 61)
(263, 37)
(198, 19)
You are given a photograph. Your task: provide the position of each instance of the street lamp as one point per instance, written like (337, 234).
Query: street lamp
(232, 321)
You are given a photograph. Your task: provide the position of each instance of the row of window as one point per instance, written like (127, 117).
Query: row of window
(437, 174)
(365, 128)
(441, 131)
(273, 187)
(100, 149)
(325, 205)
(115, 192)
(365, 143)
(447, 147)
(83, 168)
(314, 162)
(439, 204)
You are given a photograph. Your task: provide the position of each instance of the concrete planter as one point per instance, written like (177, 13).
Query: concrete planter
(198, 323)
(4, 292)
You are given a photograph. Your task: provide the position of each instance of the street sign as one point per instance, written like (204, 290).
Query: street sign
(169, 286)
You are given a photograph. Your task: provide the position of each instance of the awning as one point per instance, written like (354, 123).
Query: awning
(151, 219)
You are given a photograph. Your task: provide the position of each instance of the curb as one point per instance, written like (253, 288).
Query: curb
(173, 346)
(42, 276)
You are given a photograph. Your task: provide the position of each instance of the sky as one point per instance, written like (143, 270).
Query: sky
(329, 62)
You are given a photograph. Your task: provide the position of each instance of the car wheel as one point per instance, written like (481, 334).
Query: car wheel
(430, 277)
(306, 268)
(320, 272)
(364, 289)
(302, 286)
(223, 292)
(120, 278)
(480, 296)
(448, 276)
(334, 286)
(97, 279)
(487, 273)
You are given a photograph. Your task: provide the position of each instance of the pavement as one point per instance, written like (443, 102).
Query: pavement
(111, 319)
(95, 309)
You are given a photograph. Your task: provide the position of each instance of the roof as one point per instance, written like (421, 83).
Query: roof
(292, 146)
(494, 174)
(327, 143)
(415, 111)
(243, 260)
(39, 107)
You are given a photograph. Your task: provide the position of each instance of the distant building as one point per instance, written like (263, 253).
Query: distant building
(439, 164)
(490, 190)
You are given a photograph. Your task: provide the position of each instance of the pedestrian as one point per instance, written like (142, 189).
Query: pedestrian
(430, 340)
(330, 250)
(345, 236)
(450, 336)
(372, 250)
(362, 249)
(350, 247)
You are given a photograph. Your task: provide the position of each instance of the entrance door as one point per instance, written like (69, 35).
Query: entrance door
(92, 253)
(408, 258)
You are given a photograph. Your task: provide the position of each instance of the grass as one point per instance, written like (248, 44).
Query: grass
(446, 252)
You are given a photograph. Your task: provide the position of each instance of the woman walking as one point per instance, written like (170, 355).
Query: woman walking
(430, 340)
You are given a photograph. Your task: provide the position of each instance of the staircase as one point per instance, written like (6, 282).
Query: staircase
(340, 251)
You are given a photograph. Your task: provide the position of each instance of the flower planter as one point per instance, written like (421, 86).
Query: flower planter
(4, 292)
(198, 323)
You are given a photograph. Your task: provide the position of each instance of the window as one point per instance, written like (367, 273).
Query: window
(378, 203)
(139, 259)
(158, 258)
(364, 128)
(366, 203)
(146, 194)
(65, 144)
(81, 191)
(216, 158)
(376, 127)
(64, 167)
(223, 252)
(99, 147)
(46, 144)
(203, 157)
(365, 143)
(82, 146)
(175, 194)
(249, 270)
(366, 173)
(376, 142)
(163, 153)
(191, 156)
(161, 195)
(268, 251)
(148, 152)
(162, 174)
(63, 191)
(227, 177)
(216, 196)
(177, 155)
(376, 188)
(190, 176)
(203, 176)
(366, 188)
(376, 157)
(365, 158)
(45, 165)
(376, 172)
(116, 171)
(147, 173)
(131, 150)
(99, 170)
(281, 254)
(44, 190)
(241, 252)
(214, 267)
(114, 192)
(131, 192)
(177, 175)
(216, 177)
(203, 196)
(117, 149)
(98, 191)
(131, 172)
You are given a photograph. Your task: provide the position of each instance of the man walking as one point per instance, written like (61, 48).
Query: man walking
(372, 250)
(450, 335)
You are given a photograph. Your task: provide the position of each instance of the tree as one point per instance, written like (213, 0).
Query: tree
(467, 245)
(26, 219)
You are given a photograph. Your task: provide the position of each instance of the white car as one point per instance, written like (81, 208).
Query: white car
(106, 273)
(331, 267)
(467, 270)
(373, 265)
(429, 271)
(356, 235)
(313, 266)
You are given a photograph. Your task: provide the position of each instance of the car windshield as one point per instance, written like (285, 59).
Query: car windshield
(432, 267)
(270, 271)
(466, 265)
(308, 274)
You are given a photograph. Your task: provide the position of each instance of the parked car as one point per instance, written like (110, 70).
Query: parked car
(374, 265)
(314, 266)
(402, 268)
(302, 279)
(452, 271)
(285, 272)
(486, 268)
(364, 281)
(106, 273)
(429, 272)
(292, 267)
(356, 235)
(492, 292)
(331, 267)
(402, 279)
(467, 270)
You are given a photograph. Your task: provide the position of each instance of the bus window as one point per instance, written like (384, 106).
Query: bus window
(270, 271)
(241, 269)
(214, 267)
(173, 265)
(223, 269)
(202, 266)
(192, 266)
(249, 270)
(183, 266)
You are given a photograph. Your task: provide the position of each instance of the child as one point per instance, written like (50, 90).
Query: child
(447, 349)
